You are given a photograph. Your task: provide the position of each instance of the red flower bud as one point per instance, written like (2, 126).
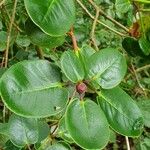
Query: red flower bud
(81, 88)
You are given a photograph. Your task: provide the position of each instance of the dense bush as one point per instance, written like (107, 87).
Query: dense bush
(74, 74)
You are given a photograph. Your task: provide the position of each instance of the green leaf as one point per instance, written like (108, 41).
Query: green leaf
(85, 53)
(87, 124)
(23, 40)
(3, 140)
(3, 39)
(107, 68)
(54, 17)
(72, 66)
(38, 37)
(33, 89)
(122, 6)
(43, 129)
(121, 111)
(2, 70)
(10, 146)
(56, 146)
(4, 129)
(144, 45)
(144, 105)
(63, 132)
(59, 146)
(23, 131)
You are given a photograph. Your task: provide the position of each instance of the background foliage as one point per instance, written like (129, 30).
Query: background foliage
(116, 31)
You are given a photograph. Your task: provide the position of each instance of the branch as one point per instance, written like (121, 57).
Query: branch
(127, 143)
(2, 2)
(143, 68)
(137, 79)
(142, 1)
(74, 41)
(93, 30)
(39, 52)
(92, 17)
(9, 33)
(109, 17)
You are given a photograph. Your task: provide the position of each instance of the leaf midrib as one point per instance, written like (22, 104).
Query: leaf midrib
(49, 8)
(37, 89)
(99, 74)
(116, 108)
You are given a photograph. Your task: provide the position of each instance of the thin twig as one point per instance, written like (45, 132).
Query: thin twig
(93, 30)
(4, 113)
(29, 148)
(142, 1)
(14, 24)
(109, 17)
(143, 68)
(39, 52)
(74, 41)
(2, 2)
(92, 17)
(9, 33)
(138, 81)
(127, 143)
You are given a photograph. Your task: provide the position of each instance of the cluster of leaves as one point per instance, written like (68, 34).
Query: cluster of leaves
(71, 99)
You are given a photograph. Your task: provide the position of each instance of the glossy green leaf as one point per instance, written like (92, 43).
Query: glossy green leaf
(59, 146)
(132, 47)
(107, 68)
(144, 105)
(87, 124)
(63, 132)
(72, 66)
(121, 111)
(54, 17)
(145, 45)
(85, 53)
(33, 89)
(38, 37)
(23, 131)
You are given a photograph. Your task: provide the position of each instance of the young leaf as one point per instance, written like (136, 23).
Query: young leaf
(54, 17)
(38, 37)
(72, 66)
(122, 113)
(32, 89)
(23, 131)
(87, 124)
(107, 68)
